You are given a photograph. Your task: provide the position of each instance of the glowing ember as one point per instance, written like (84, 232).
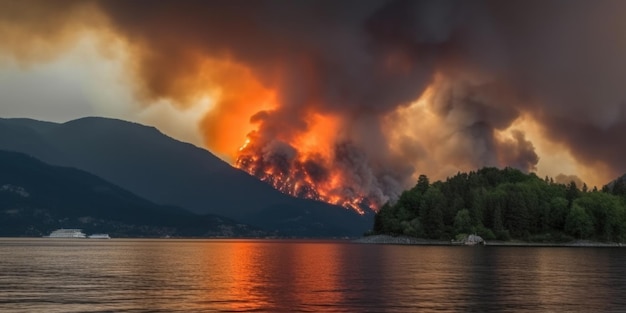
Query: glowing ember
(245, 144)
(301, 175)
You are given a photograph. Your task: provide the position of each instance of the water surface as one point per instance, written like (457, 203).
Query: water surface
(58, 275)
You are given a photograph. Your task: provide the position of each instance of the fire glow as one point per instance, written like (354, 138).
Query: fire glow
(306, 167)
(327, 100)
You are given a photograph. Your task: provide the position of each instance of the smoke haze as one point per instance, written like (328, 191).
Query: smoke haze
(354, 99)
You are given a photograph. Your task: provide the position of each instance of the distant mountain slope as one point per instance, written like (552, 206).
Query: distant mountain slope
(167, 171)
(36, 198)
(621, 178)
(617, 186)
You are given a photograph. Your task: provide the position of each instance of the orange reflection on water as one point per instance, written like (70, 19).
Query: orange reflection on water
(42, 275)
(257, 275)
(315, 273)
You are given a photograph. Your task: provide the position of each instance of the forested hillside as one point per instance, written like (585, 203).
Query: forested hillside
(506, 204)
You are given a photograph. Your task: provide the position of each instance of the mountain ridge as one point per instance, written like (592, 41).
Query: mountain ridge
(36, 197)
(167, 171)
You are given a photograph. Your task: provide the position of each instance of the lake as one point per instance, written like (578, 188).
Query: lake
(166, 275)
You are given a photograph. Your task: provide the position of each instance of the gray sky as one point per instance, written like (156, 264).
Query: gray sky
(83, 82)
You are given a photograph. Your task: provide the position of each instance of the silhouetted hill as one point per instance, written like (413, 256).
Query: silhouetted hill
(36, 198)
(613, 182)
(166, 171)
(617, 186)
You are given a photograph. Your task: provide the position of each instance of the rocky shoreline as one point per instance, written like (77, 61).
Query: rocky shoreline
(406, 240)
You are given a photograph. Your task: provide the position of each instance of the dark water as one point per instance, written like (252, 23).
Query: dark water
(47, 275)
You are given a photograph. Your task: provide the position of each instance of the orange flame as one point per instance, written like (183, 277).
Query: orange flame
(238, 95)
(309, 173)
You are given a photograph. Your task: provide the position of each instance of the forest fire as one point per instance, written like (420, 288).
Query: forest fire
(329, 98)
(299, 181)
(310, 171)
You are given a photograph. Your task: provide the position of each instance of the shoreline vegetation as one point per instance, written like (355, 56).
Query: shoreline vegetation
(407, 240)
(505, 207)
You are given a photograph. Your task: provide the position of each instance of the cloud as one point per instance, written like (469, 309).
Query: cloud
(277, 70)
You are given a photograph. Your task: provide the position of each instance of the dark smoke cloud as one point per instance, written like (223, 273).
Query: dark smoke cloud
(560, 62)
(518, 152)
(566, 60)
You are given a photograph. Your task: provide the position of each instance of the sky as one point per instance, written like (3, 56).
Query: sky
(341, 101)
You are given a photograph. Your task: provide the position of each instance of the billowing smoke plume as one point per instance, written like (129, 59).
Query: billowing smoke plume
(326, 92)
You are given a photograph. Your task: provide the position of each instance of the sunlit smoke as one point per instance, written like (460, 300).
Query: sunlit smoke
(348, 102)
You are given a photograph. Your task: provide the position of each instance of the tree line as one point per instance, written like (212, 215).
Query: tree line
(506, 204)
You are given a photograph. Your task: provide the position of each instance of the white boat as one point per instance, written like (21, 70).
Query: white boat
(67, 233)
(99, 236)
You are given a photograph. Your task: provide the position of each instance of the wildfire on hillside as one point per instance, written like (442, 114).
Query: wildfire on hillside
(308, 168)
(347, 102)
